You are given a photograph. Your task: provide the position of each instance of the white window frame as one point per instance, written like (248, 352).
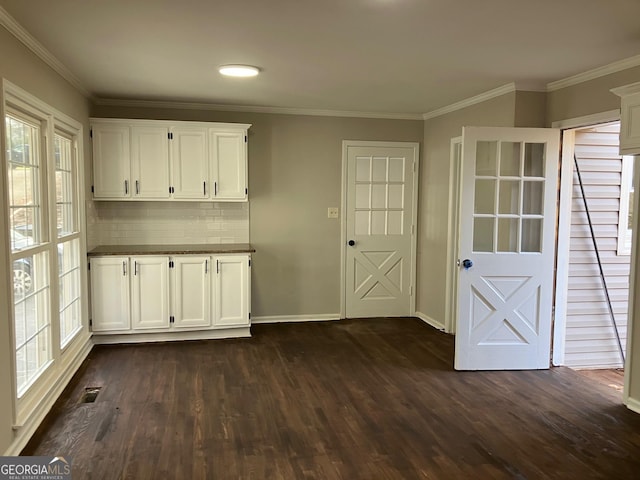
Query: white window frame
(626, 187)
(49, 380)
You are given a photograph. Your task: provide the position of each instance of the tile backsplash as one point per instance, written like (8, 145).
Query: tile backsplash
(164, 223)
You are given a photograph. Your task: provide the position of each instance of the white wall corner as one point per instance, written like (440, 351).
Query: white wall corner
(430, 321)
(633, 404)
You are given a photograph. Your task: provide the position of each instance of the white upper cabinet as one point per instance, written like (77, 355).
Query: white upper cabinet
(111, 161)
(629, 118)
(150, 162)
(228, 165)
(167, 160)
(190, 163)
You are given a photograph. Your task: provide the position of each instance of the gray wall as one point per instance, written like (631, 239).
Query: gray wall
(21, 67)
(433, 241)
(295, 171)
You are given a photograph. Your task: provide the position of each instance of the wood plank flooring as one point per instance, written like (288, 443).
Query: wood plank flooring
(356, 399)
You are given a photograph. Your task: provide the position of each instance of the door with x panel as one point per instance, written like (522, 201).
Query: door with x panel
(507, 248)
(379, 218)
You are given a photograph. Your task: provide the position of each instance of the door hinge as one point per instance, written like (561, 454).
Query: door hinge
(92, 189)
(91, 133)
(246, 191)
(88, 265)
(249, 262)
(91, 322)
(245, 139)
(172, 319)
(249, 315)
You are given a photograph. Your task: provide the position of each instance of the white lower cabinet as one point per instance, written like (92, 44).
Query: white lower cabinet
(191, 284)
(150, 294)
(110, 294)
(232, 291)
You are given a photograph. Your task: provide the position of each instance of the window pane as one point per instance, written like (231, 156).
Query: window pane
(23, 173)
(64, 185)
(483, 234)
(485, 195)
(531, 235)
(534, 159)
(508, 235)
(509, 197)
(532, 197)
(32, 317)
(69, 286)
(486, 158)
(510, 159)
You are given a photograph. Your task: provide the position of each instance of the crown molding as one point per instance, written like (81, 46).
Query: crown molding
(18, 31)
(483, 97)
(114, 102)
(595, 73)
(631, 89)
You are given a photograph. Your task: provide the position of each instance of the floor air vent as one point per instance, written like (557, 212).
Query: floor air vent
(89, 395)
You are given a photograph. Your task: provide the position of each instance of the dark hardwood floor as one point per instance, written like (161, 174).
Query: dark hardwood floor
(356, 399)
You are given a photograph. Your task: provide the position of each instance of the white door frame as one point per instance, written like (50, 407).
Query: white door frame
(453, 234)
(569, 128)
(343, 218)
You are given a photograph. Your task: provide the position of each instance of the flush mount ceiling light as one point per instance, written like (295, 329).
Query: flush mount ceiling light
(238, 70)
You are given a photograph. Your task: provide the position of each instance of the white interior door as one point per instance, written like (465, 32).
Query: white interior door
(507, 232)
(379, 229)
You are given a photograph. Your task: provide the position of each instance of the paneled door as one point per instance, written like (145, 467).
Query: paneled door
(379, 227)
(507, 248)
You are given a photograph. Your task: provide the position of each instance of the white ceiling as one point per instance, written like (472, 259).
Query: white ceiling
(388, 56)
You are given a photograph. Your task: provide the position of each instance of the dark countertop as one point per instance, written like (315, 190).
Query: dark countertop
(190, 249)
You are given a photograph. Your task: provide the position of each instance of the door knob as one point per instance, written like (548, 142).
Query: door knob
(352, 243)
(467, 264)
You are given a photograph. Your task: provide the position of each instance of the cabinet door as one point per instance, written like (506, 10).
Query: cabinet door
(110, 294)
(191, 291)
(150, 162)
(150, 292)
(190, 163)
(229, 165)
(232, 291)
(111, 161)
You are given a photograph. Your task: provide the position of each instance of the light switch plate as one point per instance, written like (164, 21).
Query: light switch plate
(332, 212)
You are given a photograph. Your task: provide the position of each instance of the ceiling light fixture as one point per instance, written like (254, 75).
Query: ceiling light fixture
(238, 70)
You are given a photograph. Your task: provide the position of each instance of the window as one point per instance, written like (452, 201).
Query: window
(45, 240)
(68, 243)
(625, 219)
(29, 252)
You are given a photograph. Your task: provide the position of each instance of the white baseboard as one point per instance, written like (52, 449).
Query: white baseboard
(109, 339)
(296, 318)
(633, 404)
(26, 431)
(430, 321)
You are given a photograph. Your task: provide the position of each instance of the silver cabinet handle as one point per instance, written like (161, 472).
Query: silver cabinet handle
(215, 188)
(204, 188)
(124, 268)
(135, 268)
(137, 187)
(206, 267)
(126, 187)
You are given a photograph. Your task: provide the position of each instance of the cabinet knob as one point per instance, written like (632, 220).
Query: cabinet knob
(351, 243)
